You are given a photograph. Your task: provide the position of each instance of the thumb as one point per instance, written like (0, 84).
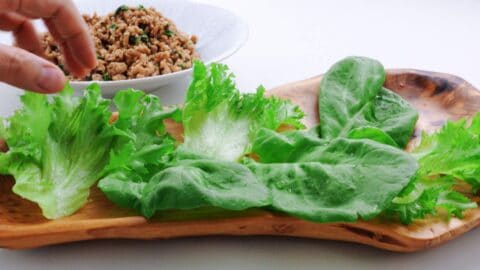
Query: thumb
(28, 71)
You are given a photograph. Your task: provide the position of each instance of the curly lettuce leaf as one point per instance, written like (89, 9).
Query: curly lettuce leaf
(220, 122)
(453, 151)
(351, 96)
(424, 197)
(447, 158)
(143, 139)
(330, 181)
(58, 148)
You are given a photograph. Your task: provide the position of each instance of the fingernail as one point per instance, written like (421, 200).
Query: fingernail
(51, 80)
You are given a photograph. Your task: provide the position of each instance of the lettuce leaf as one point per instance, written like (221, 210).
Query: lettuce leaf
(354, 168)
(372, 133)
(142, 148)
(330, 181)
(143, 139)
(220, 122)
(189, 181)
(453, 151)
(447, 158)
(423, 197)
(58, 148)
(148, 173)
(351, 97)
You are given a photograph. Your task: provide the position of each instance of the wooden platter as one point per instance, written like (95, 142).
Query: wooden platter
(437, 97)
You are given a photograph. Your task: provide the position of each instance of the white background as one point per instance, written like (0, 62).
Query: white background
(294, 40)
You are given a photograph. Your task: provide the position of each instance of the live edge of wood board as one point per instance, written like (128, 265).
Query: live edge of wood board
(438, 97)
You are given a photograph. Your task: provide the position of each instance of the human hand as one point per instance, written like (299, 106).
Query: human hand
(23, 66)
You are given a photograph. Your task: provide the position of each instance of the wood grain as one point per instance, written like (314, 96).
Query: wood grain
(438, 97)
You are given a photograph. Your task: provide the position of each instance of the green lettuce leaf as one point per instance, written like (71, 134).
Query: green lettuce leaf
(271, 146)
(453, 151)
(58, 148)
(330, 181)
(220, 122)
(395, 116)
(143, 139)
(423, 197)
(446, 158)
(142, 148)
(188, 182)
(147, 173)
(371, 133)
(351, 96)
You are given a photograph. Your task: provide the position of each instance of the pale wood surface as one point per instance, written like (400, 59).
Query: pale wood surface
(437, 97)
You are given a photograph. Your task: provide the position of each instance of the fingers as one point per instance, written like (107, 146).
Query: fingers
(72, 65)
(28, 71)
(23, 30)
(62, 18)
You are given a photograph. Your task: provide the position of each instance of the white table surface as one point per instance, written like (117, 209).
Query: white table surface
(294, 40)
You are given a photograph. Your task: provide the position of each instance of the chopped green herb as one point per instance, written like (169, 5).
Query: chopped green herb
(121, 9)
(142, 26)
(141, 7)
(113, 26)
(133, 40)
(106, 77)
(169, 33)
(144, 38)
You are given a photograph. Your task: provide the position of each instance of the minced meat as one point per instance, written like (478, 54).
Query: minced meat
(132, 43)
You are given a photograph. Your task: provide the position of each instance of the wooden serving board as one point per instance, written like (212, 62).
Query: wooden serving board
(436, 96)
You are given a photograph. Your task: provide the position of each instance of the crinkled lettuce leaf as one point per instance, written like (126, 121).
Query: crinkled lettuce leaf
(143, 139)
(453, 151)
(447, 159)
(352, 97)
(58, 148)
(220, 122)
(425, 196)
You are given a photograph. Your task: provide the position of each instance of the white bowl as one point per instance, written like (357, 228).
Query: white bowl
(220, 34)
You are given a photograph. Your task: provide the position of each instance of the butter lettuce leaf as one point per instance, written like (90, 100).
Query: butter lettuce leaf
(329, 181)
(188, 182)
(352, 96)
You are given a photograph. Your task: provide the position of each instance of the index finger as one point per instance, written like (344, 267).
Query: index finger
(63, 16)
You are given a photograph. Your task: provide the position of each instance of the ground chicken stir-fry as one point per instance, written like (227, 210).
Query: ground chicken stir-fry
(132, 43)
